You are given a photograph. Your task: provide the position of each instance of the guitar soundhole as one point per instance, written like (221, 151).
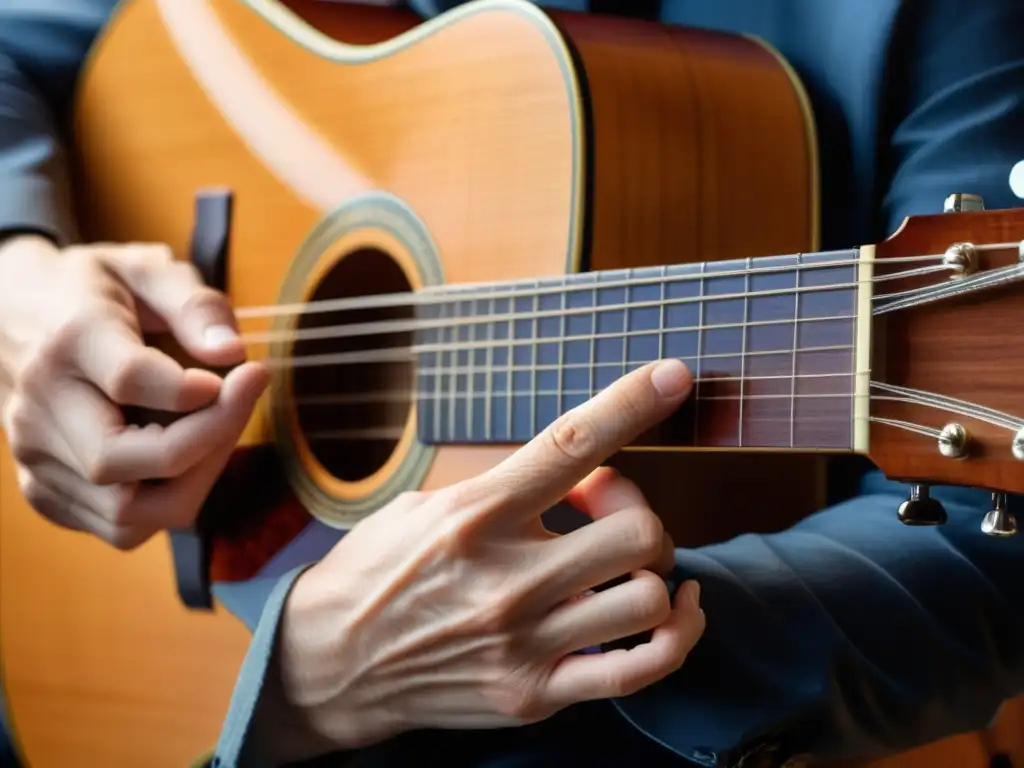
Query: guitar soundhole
(352, 406)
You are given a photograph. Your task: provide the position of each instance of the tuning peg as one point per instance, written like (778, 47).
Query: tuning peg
(921, 508)
(1017, 446)
(999, 521)
(962, 202)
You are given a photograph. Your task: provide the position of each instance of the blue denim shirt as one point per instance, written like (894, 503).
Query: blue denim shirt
(914, 100)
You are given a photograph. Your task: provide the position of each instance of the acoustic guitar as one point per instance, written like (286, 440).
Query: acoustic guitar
(442, 236)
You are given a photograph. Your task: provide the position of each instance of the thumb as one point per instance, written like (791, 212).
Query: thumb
(199, 317)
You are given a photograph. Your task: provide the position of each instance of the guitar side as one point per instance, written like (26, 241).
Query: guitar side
(493, 143)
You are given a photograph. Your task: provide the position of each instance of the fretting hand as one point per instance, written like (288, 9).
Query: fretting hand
(71, 327)
(457, 609)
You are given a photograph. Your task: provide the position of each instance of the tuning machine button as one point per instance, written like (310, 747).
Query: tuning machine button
(921, 508)
(1017, 446)
(954, 442)
(962, 202)
(999, 521)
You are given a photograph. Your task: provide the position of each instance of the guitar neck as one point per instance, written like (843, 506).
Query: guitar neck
(771, 342)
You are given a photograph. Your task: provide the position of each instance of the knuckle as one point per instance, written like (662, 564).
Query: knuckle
(19, 427)
(573, 436)
(153, 253)
(186, 270)
(647, 532)
(33, 491)
(119, 507)
(99, 469)
(650, 599)
(38, 369)
(170, 461)
(139, 258)
(123, 379)
(619, 684)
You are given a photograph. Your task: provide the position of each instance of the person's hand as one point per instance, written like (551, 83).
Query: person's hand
(71, 344)
(457, 609)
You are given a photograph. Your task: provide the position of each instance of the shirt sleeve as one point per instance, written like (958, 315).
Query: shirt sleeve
(34, 195)
(848, 636)
(261, 608)
(955, 110)
(42, 46)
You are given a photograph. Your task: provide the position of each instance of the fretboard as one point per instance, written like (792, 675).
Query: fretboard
(770, 341)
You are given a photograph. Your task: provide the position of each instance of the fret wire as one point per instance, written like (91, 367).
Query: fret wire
(453, 378)
(472, 365)
(438, 378)
(661, 314)
(796, 343)
(593, 338)
(626, 323)
(853, 350)
(560, 405)
(700, 353)
(534, 352)
(511, 370)
(743, 351)
(490, 372)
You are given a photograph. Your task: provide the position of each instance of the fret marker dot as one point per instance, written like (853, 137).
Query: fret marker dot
(1017, 179)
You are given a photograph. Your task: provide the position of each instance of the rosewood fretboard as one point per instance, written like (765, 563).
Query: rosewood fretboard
(771, 343)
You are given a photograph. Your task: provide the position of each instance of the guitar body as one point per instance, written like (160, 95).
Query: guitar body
(494, 143)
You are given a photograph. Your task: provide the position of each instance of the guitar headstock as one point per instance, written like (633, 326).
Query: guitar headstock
(946, 400)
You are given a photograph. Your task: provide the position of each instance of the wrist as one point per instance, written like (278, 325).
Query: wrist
(23, 286)
(301, 712)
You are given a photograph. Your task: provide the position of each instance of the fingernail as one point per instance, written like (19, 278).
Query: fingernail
(693, 594)
(670, 377)
(219, 335)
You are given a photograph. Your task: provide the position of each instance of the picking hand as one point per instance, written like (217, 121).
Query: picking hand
(457, 609)
(72, 342)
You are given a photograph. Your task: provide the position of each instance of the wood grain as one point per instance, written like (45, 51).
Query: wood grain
(968, 348)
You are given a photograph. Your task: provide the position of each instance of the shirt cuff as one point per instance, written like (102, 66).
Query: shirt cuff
(30, 204)
(234, 746)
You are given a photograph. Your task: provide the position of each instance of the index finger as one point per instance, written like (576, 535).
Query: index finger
(542, 472)
(110, 355)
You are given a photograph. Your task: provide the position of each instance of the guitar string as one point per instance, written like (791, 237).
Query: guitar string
(397, 354)
(395, 432)
(406, 354)
(488, 290)
(897, 394)
(384, 327)
(406, 395)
